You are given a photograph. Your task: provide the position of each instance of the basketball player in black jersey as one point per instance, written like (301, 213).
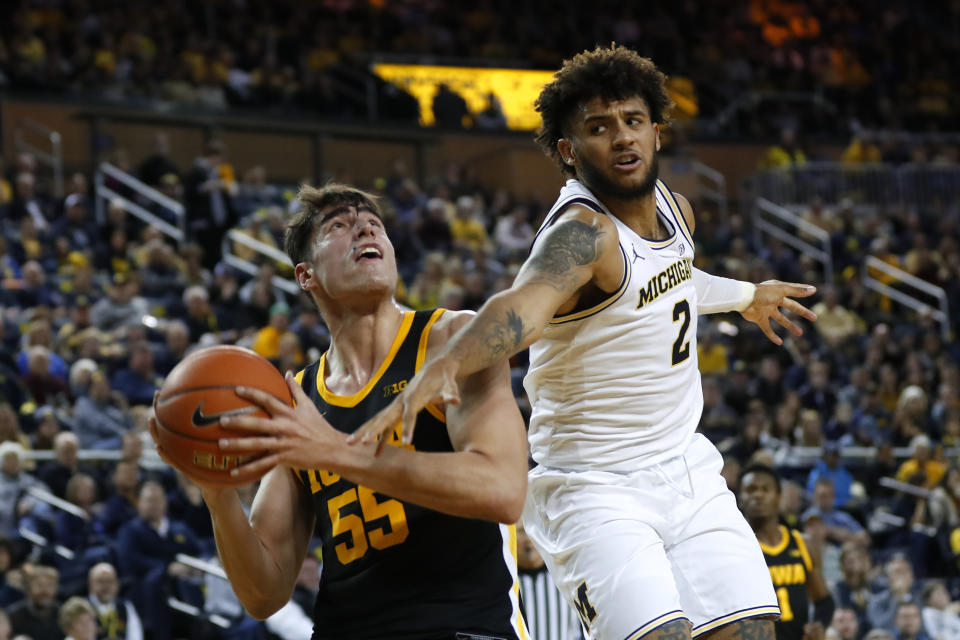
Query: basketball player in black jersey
(795, 568)
(412, 545)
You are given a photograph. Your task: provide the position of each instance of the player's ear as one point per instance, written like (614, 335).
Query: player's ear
(656, 131)
(303, 273)
(565, 148)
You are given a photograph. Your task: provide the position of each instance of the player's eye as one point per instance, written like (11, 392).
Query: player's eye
(597, 129)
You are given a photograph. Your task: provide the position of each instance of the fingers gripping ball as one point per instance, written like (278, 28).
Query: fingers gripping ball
(198, 392)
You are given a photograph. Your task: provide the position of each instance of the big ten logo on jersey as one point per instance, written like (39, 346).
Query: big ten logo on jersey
(394, 389)
(361, 517)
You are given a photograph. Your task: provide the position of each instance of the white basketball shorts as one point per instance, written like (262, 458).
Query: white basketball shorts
(632, 552)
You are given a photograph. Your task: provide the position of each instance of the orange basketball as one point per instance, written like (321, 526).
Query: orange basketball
(198, 392)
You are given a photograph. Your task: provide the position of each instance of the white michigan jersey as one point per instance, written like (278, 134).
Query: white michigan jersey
(616, 387)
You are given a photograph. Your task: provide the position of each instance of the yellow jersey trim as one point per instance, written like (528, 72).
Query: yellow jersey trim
(424, 337)
(804, 552)
(518, 623)
(616, 295)
(299, 379)
(677, 211)
(354, 399)
(778, 548)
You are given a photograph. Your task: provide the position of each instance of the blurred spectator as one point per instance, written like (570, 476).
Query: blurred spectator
(844, 626)
(491, 118)
(33, 290)
(909, 623)
(841, 526)
(883, 607)
(14, 482)
(56, 473)
(711, 354)
(100, 419)
(939, 614)
(784, 155)
(27, 204)
(853, 590)
(834, 322)
(175, 346)
(121, 507)
(9, 594)
(77, 619)
(434, 231)
(36, 616)
(158, 164)
(76, 225)
(47, 428)
(121, 307)
(200, 317)
(450, 109)
(921, 468)
(829, 467)
(267, 340)
(147, 548)
(468, 231)
(116, 617)
(139, 380)
(817, 393)
(208, 193)
(513, 234)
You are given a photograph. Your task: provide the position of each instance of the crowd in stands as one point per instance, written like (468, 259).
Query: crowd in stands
(883, 65)
(94, 314)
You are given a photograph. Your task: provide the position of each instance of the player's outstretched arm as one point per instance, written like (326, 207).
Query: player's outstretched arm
(262, 556)
(578, 248)
(484, 477)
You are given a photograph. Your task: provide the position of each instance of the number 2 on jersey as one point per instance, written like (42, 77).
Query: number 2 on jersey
(681, 349)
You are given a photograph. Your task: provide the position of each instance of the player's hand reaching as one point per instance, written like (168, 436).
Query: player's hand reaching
(435, 382)
(767, 301)
(296, 436)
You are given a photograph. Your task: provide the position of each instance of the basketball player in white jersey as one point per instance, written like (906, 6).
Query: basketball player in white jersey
(627, 506)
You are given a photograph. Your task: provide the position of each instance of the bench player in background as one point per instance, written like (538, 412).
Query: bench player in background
(795, 568)
(627, 506)
(417, 544)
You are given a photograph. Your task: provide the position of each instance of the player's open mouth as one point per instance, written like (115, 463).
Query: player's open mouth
(627, 162)
(368, 252)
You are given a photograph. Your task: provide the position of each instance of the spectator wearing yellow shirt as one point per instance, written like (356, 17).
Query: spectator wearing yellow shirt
(835, 322)
(921, 462)
(711, 355)
(468, 232)
(784, 155)
(267, 340)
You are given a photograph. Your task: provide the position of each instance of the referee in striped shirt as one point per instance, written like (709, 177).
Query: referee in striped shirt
(548, 615)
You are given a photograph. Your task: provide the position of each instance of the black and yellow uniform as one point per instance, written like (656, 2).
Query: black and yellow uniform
(790, 564)
(396, 570)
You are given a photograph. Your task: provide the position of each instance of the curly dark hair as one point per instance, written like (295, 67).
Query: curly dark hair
(612, 73)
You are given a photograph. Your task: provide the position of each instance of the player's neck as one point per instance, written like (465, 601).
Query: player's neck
(639, 214)
(359, 343)
(768, 532)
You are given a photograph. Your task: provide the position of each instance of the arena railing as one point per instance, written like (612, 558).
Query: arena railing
(52, 157)
(271, 253)
(792, 230)
(147, 196)
(713, 187)
(901, 293)
(915, 185)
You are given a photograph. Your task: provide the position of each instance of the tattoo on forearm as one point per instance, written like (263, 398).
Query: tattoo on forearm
(676, 630)
(573, 243)
(505, 336)
(754, 629)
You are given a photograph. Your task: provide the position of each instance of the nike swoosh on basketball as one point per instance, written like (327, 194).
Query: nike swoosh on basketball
(200, 420)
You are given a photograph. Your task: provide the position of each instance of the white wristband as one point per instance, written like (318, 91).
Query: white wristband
(717, 295)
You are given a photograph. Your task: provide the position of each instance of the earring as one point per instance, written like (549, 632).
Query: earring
(569, 160)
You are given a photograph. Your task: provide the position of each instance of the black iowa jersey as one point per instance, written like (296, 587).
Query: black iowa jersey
(392, 569)
(789, 564)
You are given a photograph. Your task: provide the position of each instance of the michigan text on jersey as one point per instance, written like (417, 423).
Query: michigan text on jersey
(679, 271)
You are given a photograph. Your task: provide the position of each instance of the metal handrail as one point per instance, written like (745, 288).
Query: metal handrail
(103, 192)
(202, 565)
(52, 158)
(59, 503)
(717, 190)
(941, 315)
(822, 254)
(246, 266)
